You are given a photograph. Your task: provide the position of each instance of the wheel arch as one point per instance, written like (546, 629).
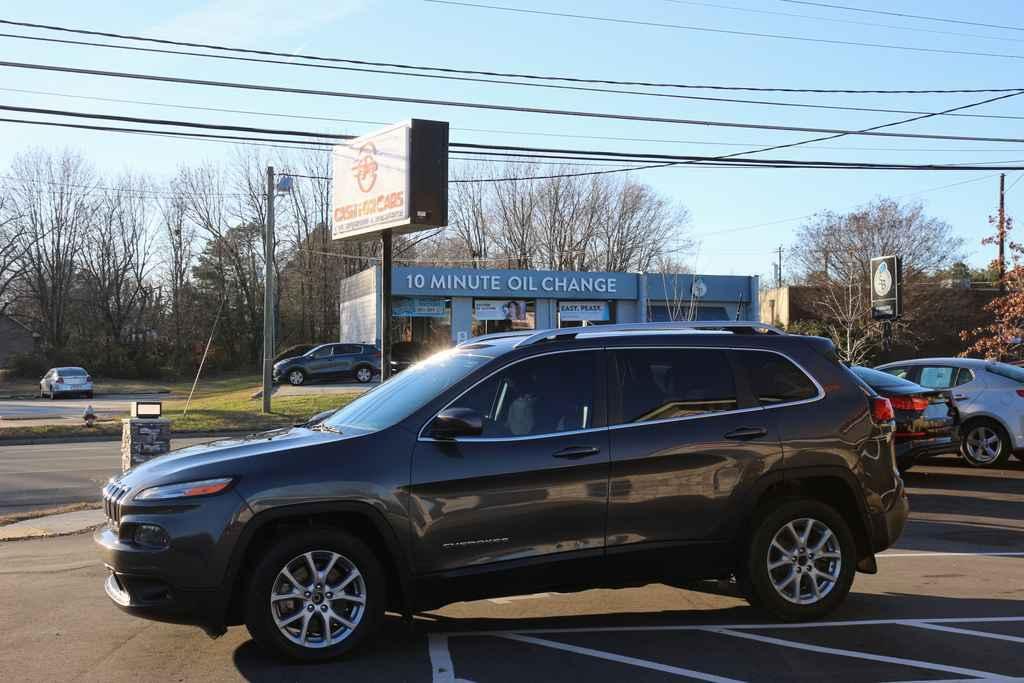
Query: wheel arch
(360, 519)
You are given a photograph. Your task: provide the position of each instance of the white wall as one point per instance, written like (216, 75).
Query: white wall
(358, 319)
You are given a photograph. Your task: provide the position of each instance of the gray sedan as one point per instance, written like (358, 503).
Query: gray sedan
(65, 382)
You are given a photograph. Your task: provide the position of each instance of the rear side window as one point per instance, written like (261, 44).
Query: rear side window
(774, 379)
(902, 372)
(658, 384)
(346, 349)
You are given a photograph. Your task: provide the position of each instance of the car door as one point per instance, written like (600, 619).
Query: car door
(966, 387)
(320, 362)
(344, 359)
(686, 443)
(533, 485)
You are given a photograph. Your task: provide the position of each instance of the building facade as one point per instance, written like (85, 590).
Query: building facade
(436, 307)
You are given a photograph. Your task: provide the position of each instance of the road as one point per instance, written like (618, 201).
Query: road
(49, 475)
(947, 604)
(72, 407)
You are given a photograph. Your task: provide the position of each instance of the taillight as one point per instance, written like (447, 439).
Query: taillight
(88, 378)
(60, 380)
(915, 403)
(881, 409)
(1020, 392)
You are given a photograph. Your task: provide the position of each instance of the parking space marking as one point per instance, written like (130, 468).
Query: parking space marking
(966, 632)
(622, 659)
(855, 654)
(440, 659)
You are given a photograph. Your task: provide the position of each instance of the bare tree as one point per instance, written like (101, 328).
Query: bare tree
(515, 210)
(12, 252)
(468, 215)
(179, 241)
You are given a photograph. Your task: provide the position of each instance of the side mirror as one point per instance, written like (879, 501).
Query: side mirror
(454, 422)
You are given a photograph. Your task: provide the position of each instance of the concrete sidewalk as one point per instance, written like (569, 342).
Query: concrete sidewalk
(53, 525)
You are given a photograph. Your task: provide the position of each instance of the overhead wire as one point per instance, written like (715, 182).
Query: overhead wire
(905, 15)
(550, 77)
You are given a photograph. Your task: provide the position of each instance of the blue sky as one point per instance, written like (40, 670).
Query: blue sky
(723, 203)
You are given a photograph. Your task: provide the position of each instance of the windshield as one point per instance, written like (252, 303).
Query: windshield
(1006, 370)
(406, 392)
(877, 379)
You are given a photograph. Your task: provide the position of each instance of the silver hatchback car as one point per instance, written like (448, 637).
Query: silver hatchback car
(65, 382)
(989, 396)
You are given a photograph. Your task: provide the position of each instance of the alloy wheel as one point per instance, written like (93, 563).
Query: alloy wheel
(983, 445)
(804, 561)
(364, 375)
(318, 599)
(295, 377)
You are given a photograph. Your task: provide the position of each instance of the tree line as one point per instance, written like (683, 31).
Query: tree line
(129, 275)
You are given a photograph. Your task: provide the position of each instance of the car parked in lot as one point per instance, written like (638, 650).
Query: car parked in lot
(926, 419)
(330, 361)
(69, 381)
(604, 456)
(989, 397)
(406, 354)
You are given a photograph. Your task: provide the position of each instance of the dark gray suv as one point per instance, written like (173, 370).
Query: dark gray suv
(604, 456)
(330, 361)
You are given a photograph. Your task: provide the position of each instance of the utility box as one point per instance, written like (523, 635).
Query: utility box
(144, 437)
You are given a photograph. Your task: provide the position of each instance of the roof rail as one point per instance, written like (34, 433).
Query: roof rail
(732, 326)
(495, 335)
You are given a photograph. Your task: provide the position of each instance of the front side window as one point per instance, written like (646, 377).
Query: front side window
(937, 377)
(543, 395)
(323, 352)
(658, 384)
(774, 379)
(964, 376)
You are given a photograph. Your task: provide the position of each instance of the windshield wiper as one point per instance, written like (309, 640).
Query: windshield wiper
(324, 427)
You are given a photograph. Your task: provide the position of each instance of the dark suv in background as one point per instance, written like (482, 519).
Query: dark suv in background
(607, 456)
(330, 361)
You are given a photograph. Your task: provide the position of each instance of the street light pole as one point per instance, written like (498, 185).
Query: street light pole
(268, 294)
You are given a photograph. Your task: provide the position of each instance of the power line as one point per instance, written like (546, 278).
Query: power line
(491, 107)
(725, 100)
(904, 15)
(713, 143)
(708, 29)
(833, 20)
(572, 79)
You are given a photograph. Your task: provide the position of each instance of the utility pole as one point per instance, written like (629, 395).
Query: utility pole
(268, 294)
(1002, 231)
(778, 273)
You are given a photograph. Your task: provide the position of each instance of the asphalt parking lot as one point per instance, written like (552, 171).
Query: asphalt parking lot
(947, 604)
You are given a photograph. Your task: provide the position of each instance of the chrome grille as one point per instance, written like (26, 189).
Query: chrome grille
(113, 495)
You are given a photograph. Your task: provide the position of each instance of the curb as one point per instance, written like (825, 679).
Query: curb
(117, 437)
(62, 524)
(97, 394)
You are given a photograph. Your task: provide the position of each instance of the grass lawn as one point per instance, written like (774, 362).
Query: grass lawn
(219, 406)
(10, 386)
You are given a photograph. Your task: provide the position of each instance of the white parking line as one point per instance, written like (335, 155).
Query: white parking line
(967, 632)
(440, 659)
(900, 661)
(938, 554)
(622, 659)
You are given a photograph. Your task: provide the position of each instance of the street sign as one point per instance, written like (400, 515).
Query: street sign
(886, 288)
(393, 179)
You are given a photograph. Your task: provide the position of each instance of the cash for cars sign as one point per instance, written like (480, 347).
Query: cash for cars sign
(886, 288)
(395, 178)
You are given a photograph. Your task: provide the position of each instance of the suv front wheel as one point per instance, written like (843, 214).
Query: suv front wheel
(315, 595)
(802, 561)
(296, 377)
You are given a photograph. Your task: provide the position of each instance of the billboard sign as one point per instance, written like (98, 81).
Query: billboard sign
(395, 178)
(499, 309)
(886, 288)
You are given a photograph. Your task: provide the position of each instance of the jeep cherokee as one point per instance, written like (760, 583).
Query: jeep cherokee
(606, 456)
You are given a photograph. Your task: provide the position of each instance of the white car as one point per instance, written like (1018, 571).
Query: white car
(65, 382)
(989, 396)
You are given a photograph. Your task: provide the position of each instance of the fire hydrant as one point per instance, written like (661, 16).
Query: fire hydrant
(89, 416)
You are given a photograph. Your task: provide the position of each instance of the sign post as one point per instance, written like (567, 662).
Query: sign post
(886, 293)
(394, 180)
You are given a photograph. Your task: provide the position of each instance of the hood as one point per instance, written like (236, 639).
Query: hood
(223, 457)
(289, 359)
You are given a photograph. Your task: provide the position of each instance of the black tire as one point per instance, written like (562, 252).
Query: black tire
(759, 581)
(979, 458)
(260, 620)
(361, 376)
(296, 377)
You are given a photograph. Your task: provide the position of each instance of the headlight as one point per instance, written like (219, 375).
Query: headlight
(188, 489)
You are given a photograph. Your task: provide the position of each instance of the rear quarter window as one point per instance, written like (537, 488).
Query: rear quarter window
(774, 379)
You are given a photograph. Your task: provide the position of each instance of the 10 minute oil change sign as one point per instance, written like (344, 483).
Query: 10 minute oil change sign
(886, 288)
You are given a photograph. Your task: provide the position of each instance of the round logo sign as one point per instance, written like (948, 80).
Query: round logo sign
(699, 289)
(365, 168)
(883, 280)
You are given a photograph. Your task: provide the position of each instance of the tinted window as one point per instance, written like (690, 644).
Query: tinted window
(775, 379)
(72, 372)
(407, 392)
(937, 377)
(347, 349)
(543, 395)
(876, 379)
(1006, 370)
(964, 376)
(656, 384)
(322, 352)
(901, 372)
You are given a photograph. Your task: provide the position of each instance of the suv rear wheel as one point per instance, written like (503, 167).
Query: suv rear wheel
(985, 444)
(315, 595)
(364, 373)
(802, 561)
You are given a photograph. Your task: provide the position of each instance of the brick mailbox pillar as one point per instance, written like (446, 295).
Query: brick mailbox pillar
(142, 437)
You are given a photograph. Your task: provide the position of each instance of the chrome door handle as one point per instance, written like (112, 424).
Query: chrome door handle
(576, 452)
